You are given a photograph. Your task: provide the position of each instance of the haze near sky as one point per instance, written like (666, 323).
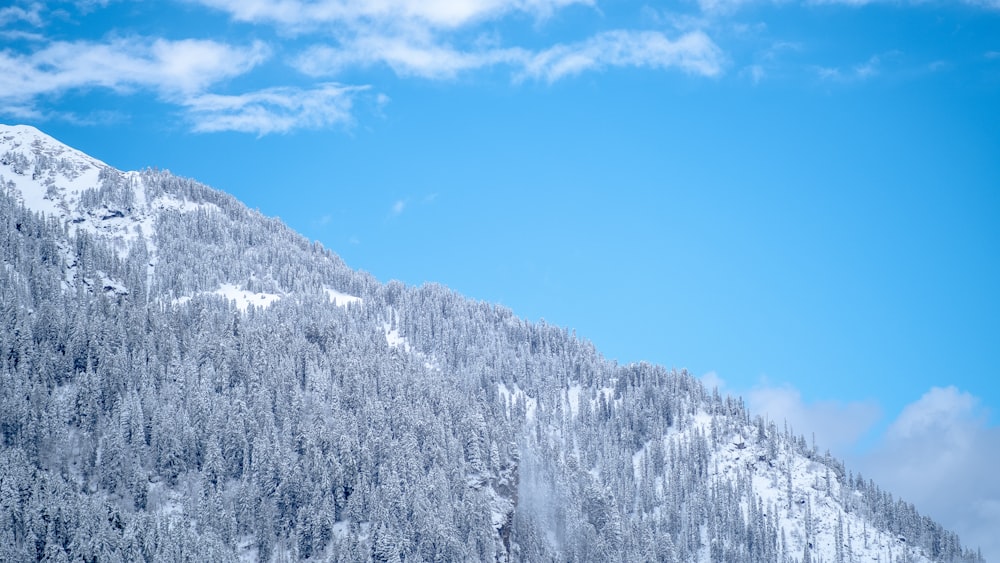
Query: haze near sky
(798, 201)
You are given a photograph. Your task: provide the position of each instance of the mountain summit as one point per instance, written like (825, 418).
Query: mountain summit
(182, 378)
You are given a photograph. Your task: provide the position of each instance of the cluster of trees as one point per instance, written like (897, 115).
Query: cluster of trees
(136, 427)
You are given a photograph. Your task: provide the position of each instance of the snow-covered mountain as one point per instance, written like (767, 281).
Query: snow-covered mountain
(121, 209)
(184, 378)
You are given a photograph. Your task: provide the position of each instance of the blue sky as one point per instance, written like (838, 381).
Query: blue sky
(799, 201)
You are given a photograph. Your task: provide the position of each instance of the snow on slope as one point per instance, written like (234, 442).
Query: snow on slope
(814, 493)
(25, 152)
(49, 177)
(243, 298)
(510, 397)
(789, 483)
(395, 339)
(341, 299)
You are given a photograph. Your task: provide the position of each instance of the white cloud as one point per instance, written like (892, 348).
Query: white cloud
(169, 67)
(307, 15)
(755, 73)
(869, 68)
(410, 37)
(417, 38)
(941, 454)
(17, 35)
(940, 410)
(863, 71)
(407, 56)
(274, 110)
(398, 207)
(837, 425)
(692, 52)
(711, 380)
(722, 6)
(30, 14)
(178, 72)
(418, 55)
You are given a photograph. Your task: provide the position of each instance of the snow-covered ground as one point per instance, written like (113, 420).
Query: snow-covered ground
(49, 177)
(814, 490)
(341, 299)
(508, 396)
(243, 299)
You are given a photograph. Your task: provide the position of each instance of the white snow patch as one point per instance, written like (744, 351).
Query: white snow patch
(508, 397)
(246, 549)
(341, 528)
(394, 338)
(573, 399)
(341, 299)
(243, 298)
(637, 459)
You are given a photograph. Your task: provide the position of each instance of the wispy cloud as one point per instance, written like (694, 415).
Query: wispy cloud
(328, 40)
(30, 14)
(430, 39)
(274, 110)
(417, 38)
(167, 67)
(397, 208)
(178, 72)
(693, 52)
(308, 15)
(868, 69)
(406, 56)
(755, 72)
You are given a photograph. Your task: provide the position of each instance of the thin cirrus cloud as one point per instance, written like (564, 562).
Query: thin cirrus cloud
(427, 39)
(405, 56)
(273, 110)
(177, 72)
(411, 38)
(31, 15)
(863, 71)
(692, 52)
(307, 15)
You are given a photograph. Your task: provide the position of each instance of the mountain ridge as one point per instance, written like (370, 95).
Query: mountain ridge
(373, 421)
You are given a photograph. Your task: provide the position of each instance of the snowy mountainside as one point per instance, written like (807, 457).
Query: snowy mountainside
(129, 211)
(79, 191)
(184, 378)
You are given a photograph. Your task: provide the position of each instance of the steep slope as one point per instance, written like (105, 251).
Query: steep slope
(181, 377)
